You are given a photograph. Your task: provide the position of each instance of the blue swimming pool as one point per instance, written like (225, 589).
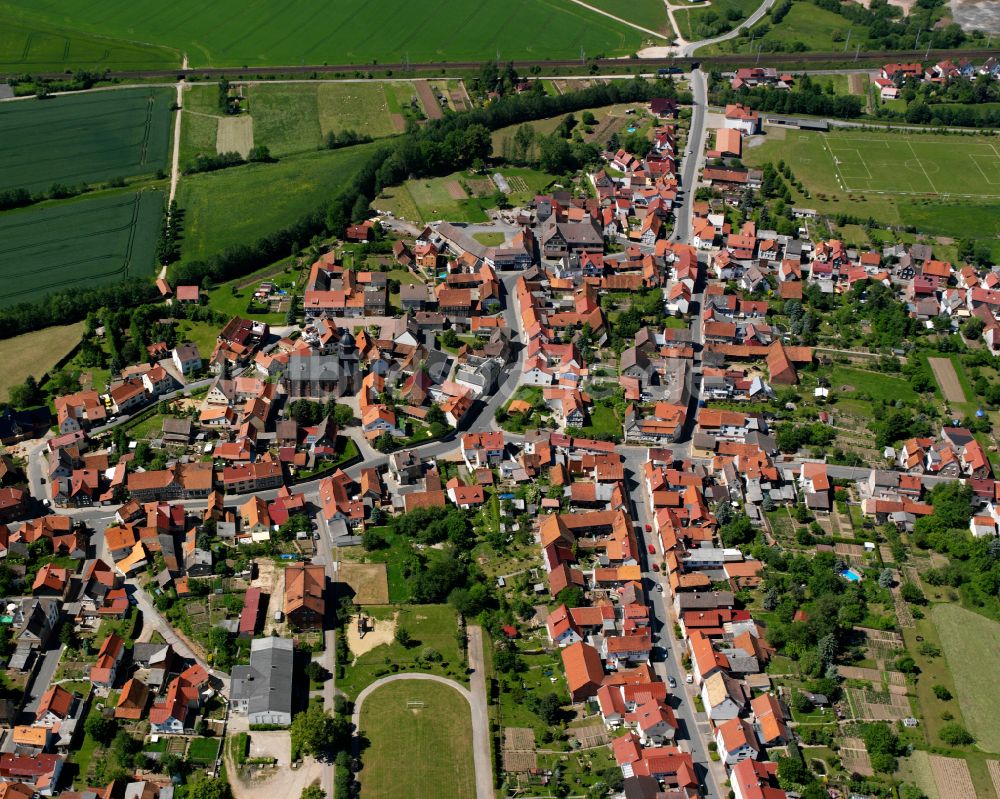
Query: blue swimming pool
(850, 574)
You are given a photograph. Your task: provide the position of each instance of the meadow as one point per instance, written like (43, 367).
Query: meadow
(84, 242)
(690, 20)
(815, 27)
(84, 138)
(233, 33)
(294, 117)
(416, 749)
(242, 204)
(429, 199)
(35, 353)
(972, 647)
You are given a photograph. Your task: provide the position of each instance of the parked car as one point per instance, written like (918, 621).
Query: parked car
(659, 587)
(649, 528)
(652, 549)
(688, 678)
(656, 567)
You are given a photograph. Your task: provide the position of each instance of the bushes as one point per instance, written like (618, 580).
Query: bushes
(956, 735)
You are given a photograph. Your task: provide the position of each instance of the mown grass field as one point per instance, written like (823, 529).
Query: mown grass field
(35, 353)
(232, 33)
(415, 751)
(972, 648)
(84, 138)
(881, 168)
(883, 162)
(294, 117)
(242, 204)
(33, 46)
(80, 243)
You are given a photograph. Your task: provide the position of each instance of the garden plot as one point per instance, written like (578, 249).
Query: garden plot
(854, 756)
(876, 705)
(952, 776)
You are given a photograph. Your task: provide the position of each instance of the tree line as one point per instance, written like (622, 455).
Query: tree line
(805, 99)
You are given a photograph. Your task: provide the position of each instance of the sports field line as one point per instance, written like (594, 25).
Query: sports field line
(936, 194)
(989, 181)
(921, 163)
(836, 166)
(861, 163)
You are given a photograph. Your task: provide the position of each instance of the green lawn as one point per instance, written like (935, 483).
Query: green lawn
(430, 626)
(204, 334)
(229, 33)
(602, 421)
(416, 749)
(877, 385)
(203, 750)
(95, 240)
(489, 239)
(242, 204)
(971, 646)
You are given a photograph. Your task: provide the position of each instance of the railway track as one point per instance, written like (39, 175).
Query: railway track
(646, 64)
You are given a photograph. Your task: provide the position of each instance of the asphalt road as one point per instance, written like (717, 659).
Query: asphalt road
(689, 49)
(691, 730)
(692, 157)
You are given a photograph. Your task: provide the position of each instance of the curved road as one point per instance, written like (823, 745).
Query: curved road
(477, 707)
(688, 49)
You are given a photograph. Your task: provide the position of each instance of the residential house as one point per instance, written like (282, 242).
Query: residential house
(304, 602)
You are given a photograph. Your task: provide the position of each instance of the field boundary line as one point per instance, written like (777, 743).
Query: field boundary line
(922, 168)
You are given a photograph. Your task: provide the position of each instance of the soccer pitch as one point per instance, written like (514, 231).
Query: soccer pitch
(891, 163)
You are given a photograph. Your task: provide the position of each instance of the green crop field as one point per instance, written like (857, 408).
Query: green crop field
(28, 45)
(421, 740)
(84, 138)
(84, 242)
(242, 204)
(259, 32)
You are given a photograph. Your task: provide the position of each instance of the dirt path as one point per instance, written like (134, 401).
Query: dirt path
(657, 34)
(283, 782)
(944, 373)
(428, 99)
(175, 159)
